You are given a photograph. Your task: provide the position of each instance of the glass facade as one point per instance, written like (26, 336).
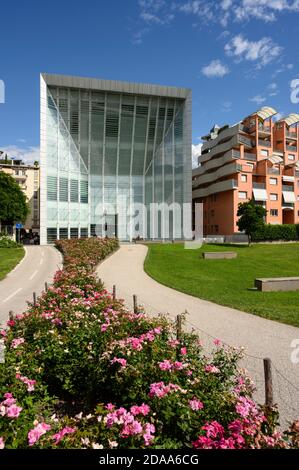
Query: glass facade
(107, 154)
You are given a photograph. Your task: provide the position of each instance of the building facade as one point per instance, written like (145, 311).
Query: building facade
(254, 159)
(28, 178)
(109, 150)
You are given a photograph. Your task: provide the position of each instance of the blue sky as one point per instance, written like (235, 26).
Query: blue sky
(236, 55)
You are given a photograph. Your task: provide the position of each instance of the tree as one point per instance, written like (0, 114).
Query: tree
(251, 218)
(13, 204)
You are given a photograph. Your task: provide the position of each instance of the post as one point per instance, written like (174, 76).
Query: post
(34, 299)
(11, 315)
(178, 327)
(46, 287)
(268, 382)
(135, 303)
(114, 292)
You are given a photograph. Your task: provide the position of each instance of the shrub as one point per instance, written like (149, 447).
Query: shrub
(82, 371)
(269, 232)
(7, 242)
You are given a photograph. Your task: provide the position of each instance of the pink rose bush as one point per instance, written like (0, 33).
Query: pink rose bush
(82, 371)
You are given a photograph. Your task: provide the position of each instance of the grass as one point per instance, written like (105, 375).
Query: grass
(9, 258)
(226, 282)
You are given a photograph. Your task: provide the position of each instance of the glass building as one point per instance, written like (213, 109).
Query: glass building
(109, 150)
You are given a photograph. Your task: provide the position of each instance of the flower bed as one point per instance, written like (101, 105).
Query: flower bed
(82, 371)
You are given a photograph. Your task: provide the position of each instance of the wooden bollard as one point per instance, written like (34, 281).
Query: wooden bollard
(46, 287)
(178, 327)
(135, 303)
(268, 382)
(11, 315)
(114, 292)
(34, 299)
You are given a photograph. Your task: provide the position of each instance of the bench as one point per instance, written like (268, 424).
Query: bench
(219, 254)
(277, 284)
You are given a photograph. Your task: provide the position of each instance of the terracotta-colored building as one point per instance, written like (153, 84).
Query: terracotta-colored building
(254, 159)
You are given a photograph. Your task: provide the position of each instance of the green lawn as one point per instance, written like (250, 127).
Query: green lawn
(9, 258)
(226, 282)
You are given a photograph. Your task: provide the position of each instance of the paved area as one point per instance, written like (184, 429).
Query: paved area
(260, 337)
(37, 267)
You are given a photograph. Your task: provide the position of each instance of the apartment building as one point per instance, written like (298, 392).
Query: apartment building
(257, 159)
(27, 177)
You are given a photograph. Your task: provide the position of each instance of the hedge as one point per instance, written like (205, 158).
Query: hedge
(270, 232)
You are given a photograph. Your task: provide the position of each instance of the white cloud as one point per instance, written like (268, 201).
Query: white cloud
(272, 89)
(262, 52)
(27, 154)
(196, 151)
(226, 106)
(215, 69)
(258, 99)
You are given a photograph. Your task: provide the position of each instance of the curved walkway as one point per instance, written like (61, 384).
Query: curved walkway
(37, 267)
(260, 337)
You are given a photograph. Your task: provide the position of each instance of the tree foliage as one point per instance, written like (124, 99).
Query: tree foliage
(251, 218)
(13, 204)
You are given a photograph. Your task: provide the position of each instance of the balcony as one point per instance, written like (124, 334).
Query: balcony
(264, 129)
(291, 135)
(287, 187)
(259, 185)
(250, 156)
(264, 143)
(292, 148)
(220, 172)
(297, 174)
(288, 205)
(273, 171)
(218, 187)
(244, 140)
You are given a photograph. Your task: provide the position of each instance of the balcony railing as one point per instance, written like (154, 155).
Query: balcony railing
(264, 143)
(273, 171)
(250, 156)
(287, 187)
(291, 135)
(245, 141)
(297, 174)
(264, 129)
(291, 148)
(288, 204)
(259, 185)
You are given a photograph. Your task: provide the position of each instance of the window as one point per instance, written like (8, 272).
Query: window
(212, 213)
(274, 212)
(35, 195)
(291, 157)
(16, 172)
(264, 153)
(52, 188)
(51, 235)
(63, 233)
(273, 181)
(273, 197)
(84, 232)
(63, 189)
(244, 178)
(74, 232)
(84, 192)
(242, 194)
(216, 228)
(74, 190)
